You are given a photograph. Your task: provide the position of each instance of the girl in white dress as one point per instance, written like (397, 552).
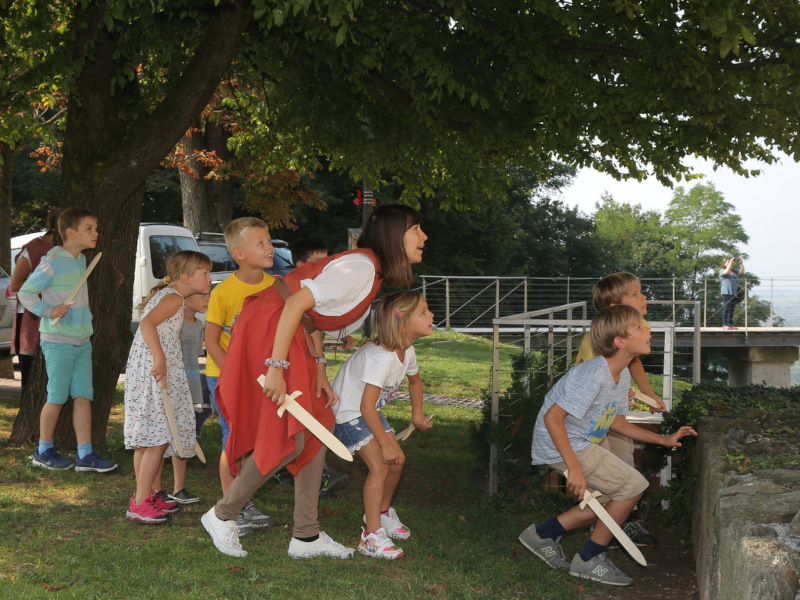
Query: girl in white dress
(368, 380)
(155, 362)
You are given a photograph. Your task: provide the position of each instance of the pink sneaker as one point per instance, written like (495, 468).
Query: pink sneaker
(162, 502)
(378, 545)
(145, 512)
(391, 523)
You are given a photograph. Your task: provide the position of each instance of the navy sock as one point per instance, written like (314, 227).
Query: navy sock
(551, 529)
(591, 549)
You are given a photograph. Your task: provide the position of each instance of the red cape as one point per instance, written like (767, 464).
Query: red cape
(254, 422)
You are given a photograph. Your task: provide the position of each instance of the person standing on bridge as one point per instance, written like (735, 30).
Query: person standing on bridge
(729, 278)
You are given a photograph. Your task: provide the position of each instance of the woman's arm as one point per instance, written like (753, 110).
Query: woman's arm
(289, 321)
(21, 271)
(166, 307)
(728, 268)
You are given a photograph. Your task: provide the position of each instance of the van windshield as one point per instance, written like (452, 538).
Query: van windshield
(164, 246)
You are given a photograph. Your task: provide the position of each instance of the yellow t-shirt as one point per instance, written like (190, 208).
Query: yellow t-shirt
(586, 351)
(225, 305)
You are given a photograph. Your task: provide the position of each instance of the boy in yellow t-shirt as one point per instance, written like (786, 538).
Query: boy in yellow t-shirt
(248, 241)
(611, 290)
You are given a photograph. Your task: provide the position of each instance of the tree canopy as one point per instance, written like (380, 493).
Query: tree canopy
(435, 91)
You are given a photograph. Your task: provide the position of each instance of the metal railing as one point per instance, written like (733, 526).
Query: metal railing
(470, 303)
(555, 337)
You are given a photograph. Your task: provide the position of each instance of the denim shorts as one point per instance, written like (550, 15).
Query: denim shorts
(69, 371)
(355, 434)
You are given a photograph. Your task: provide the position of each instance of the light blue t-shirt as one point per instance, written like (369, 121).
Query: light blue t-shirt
(592, 401)
(730, 282)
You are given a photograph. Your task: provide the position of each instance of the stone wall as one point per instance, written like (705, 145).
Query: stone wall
(746, 528)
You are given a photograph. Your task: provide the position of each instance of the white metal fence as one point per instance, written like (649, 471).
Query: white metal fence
(471, 303)
(556, 332)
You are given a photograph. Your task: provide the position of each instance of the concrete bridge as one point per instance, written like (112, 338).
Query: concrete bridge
(755, 355)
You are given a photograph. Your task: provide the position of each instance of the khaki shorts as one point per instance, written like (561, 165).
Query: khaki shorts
(620, 446)
(607, 473)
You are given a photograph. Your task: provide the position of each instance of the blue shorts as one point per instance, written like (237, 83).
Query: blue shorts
(69, 371)
(212, 386)
(355, 434)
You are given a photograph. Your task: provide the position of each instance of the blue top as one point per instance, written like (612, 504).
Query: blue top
(592, 400)
(730, 282)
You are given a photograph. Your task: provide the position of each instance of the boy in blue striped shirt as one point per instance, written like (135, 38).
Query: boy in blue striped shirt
(66, 345)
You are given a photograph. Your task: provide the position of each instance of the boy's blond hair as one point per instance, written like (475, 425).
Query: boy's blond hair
(610, 323)
(391, 314)
(236, 229)
(610, 289)
(71, 219)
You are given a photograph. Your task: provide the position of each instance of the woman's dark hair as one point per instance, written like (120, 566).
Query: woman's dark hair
(384, 235)
(51, 221)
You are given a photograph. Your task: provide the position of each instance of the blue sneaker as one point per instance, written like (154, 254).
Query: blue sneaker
(92, 462)
(51, 459)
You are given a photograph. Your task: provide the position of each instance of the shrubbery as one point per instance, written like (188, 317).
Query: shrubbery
(518, 407)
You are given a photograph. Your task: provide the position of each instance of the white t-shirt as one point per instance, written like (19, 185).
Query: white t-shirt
(375, 365)
(341, 286)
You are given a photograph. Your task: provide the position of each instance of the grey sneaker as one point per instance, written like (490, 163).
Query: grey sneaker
(254, 517)
(548, 549)
(599, 569)
(244, 527)
(639, 535)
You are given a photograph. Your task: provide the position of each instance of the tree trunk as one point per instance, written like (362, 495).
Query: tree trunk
(6, 162)
(221, 196)
(194, 186)
(112, 142)
(207, 203)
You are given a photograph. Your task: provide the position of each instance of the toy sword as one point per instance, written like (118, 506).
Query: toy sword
(613, 526)
(646, 399)
(310, 423)
(71, 298)
(173, 425)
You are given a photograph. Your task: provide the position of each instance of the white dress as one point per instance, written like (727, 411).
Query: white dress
(145, 420)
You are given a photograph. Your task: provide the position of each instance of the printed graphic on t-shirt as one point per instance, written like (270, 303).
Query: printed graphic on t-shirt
(601, 426)
(228, 328)
(387, 393)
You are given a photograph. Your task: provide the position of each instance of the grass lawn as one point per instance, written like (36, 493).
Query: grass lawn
(64, 535)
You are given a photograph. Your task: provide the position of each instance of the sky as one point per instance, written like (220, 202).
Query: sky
(768, 204)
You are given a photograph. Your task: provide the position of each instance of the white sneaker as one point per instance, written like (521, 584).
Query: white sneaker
(394, 528)
(224, 534)
(322, 546)
(378, 544)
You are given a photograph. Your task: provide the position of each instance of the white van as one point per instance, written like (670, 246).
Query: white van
(156, 243)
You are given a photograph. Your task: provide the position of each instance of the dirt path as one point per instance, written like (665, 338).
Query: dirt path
(670, 573)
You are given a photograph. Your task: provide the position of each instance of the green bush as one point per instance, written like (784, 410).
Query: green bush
(518, 408)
